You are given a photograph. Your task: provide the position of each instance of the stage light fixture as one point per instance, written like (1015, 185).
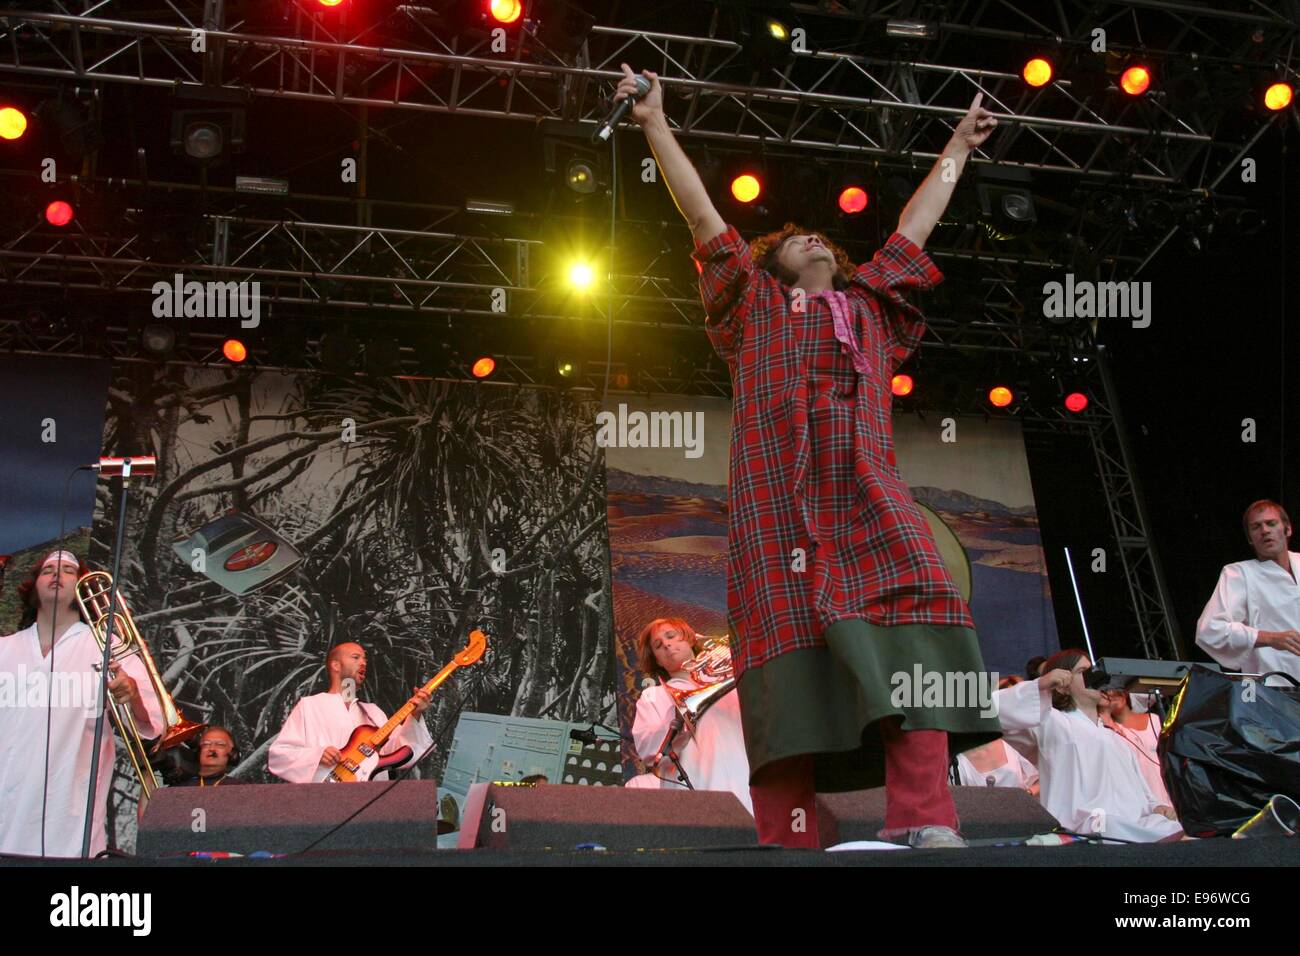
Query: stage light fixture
(1277, 97)
(13, 122)
(764, 40)
(1000, 396)
(911, 29)
(1135, 80)
(580, 176)
(1037, 72)
(581, 275)
(746, 188)
(158, 340)
(234, 350)
(505, 11)
(902, 385)
(1005, 197)
(207, 136)
(58, 213)
(483, 366)
(329, 3)
(562, 26)
(566, 367)
(853, 199)
(1076, 402)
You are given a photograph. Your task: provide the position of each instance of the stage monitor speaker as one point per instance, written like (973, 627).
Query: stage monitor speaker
(287, 818)
(563, 816)
(984, 813)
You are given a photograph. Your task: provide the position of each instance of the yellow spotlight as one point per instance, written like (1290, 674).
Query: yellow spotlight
(13, 123)
(777, 29)
(581, 275)
(1037, 72)
(1278, 96)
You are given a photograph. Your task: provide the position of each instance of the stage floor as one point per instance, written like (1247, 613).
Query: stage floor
(1200, 853)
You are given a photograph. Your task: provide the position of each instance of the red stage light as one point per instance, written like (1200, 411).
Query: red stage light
(1000, 396)
(234, 350)
(853, 200)
(1135, 80)
(505, 11)
(746, 187)
(13, 122)
(1276, 97)
(1037, 72)
(902, 385)
(58, 213)
(329, 3)
(483, 367)
(1076, 402)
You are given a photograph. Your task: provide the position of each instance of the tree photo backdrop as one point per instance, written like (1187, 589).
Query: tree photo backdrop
(422, 510)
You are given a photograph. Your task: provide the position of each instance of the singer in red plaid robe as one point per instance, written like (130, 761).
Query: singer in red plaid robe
(835, 583)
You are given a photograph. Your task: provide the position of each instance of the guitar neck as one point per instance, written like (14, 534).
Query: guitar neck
(380, 737)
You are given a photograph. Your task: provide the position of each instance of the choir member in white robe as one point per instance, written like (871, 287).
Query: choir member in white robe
(317, 729)
(1142, 732)
(714, 759)
(996, 764)
(1089, 777)
(1252, 621)
(42, 678)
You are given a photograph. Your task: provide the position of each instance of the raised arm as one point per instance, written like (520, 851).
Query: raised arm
(931, 197)
(684, 183)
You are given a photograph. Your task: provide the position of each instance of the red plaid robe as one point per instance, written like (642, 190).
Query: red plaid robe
(812, 456)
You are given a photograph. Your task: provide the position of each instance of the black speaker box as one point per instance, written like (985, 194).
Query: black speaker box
(983, 812)
(287, 818)
(561, 817)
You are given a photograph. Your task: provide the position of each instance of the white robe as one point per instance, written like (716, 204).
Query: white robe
(1089, 778)
(714, 760)
(23, 718)
(324, 720)
(1014, 771)
(1252, 596)
(1145, 743)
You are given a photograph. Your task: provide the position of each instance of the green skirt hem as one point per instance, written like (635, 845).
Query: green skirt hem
(826, 701)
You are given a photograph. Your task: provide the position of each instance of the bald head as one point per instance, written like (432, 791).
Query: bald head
(345, 661)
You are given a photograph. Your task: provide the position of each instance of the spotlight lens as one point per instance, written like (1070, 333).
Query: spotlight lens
(902, 385)
(58, 213)
(581, 274)
(13, 123)
(1037, 72)
(1135, 80)
(203, 140)
(565, 368)
(580, 177)
(483, 367)
(1000, 396)
(505, 11)
(1016, 206)
(234, 350)
(1276, 97)
(1076, 402)
(777, 29)
(158, 339)
(745, 188)
(853, 200)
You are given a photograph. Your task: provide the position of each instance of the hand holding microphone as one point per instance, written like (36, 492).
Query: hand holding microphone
(640, 94)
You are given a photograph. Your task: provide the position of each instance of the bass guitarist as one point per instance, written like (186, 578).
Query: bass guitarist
(307, 748)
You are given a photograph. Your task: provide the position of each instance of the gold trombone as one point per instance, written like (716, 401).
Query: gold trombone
(93, 590)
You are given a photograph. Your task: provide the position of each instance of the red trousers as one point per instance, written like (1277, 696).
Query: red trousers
(916, 789)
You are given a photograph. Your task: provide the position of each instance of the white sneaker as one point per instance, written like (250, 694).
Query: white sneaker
(935, 838)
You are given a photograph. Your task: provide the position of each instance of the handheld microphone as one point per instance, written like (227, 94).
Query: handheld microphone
(134, 466)
(621, 109)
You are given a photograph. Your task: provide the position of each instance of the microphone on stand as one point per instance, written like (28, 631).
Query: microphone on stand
(620, 109)
(133, 466)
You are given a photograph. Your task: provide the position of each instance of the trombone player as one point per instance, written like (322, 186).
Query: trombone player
(48, 710)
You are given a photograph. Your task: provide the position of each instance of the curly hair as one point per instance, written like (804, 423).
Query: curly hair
(645, 654)
(765, 249)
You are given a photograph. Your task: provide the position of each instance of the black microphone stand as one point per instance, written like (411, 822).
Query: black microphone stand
(666, 749)
(103, 676)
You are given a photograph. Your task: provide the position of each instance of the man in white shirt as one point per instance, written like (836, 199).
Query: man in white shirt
(308, 746)
(49, 693)
(1252, 621)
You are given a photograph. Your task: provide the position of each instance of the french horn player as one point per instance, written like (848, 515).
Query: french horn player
(687, 729)
(51, 669)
